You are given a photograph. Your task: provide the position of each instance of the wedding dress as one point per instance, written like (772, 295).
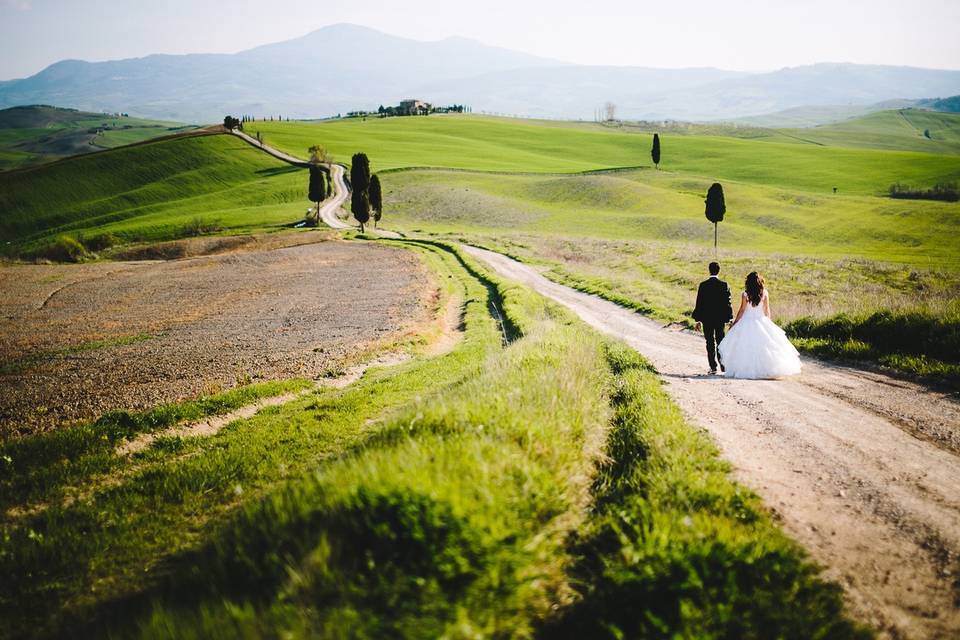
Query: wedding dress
(756, 348)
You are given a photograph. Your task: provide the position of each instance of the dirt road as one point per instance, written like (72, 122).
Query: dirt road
(79, 340)
(862, 469)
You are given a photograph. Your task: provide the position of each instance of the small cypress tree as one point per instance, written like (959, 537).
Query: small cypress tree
(655, 151)
(376, 199)
(360, 206)
(715, 209)
(318, 187)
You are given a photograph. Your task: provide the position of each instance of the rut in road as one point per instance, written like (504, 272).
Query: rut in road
(861, 469)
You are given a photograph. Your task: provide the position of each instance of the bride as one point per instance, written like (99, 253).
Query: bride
(755, 347)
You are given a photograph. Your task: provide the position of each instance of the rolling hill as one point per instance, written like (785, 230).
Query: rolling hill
(150, 191)
(346, 67)
(900, 129)
(502, 144)
(39, 133)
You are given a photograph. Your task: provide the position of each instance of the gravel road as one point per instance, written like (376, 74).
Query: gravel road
(79, 340)
(860, 468)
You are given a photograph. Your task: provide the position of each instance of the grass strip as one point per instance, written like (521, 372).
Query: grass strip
(39, 467)
(674, 548)
(918, 342)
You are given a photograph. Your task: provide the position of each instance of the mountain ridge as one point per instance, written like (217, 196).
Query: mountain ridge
(344, 67)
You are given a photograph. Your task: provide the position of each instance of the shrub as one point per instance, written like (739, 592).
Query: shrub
(946, 192)
(98, 242)
(63, 249)
(198, 227)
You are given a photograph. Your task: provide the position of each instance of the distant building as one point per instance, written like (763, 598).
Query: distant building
(414, 107)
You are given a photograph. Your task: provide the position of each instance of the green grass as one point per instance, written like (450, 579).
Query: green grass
(920, 341)
(150, 192)
(901, 130)
(440, 497)
(673, 548)
(492, 144)
(641, 205)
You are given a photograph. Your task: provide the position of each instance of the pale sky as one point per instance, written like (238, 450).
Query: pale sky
(748, 35)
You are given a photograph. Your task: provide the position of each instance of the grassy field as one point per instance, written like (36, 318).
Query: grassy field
(444, 497)
(38, 134)
(495, 144)
(901, 130)
(150, 192)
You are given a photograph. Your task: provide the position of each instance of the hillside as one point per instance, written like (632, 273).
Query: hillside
(901, 130)
(499, 144)
(364, 68)
(39, 133)
(150, 191)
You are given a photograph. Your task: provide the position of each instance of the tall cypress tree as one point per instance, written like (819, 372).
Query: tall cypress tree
(655, 151)
(376, 199)
(715, 209)
(360, 182)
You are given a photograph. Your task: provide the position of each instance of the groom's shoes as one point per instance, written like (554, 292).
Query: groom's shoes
(723, 369)
(713, 372)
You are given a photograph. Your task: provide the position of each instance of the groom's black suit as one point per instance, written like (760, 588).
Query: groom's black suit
(713, 311)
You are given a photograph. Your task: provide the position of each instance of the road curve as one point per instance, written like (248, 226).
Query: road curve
(329, 209)
(276, 153)
(862, 469)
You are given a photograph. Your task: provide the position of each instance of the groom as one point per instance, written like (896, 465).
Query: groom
(713, 312)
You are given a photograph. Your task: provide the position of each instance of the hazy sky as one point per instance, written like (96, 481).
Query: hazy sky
(734, 34)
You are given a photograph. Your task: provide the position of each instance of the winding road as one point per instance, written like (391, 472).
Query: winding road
(860, 468)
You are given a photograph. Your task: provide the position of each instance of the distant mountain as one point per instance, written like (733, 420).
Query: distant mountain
(346, 67)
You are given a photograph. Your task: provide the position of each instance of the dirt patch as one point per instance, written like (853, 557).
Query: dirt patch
(77, 341)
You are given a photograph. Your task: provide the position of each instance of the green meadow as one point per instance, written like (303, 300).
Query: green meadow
(149, 192)
(498, 144)
(901, 129)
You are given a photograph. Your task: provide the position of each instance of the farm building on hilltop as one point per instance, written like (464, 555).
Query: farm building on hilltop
(414, 107)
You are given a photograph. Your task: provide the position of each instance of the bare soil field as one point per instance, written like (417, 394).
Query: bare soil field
(77, 341)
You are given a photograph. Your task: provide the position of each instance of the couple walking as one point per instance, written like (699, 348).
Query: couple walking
(755, 348)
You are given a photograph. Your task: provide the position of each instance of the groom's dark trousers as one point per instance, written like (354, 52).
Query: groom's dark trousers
(714, 334)
(713, 311)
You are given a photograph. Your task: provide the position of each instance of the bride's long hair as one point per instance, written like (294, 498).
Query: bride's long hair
(754, 288)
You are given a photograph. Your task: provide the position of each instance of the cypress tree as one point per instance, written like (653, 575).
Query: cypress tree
(655, 151)
(318, 187)
(376, 199)
(360, 172)
(360, 206)
(360, 182)
(715, 209)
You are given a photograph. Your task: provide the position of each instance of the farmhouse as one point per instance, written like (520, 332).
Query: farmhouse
(414, 107)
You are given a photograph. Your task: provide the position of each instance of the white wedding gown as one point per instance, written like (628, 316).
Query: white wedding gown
(755, 348)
